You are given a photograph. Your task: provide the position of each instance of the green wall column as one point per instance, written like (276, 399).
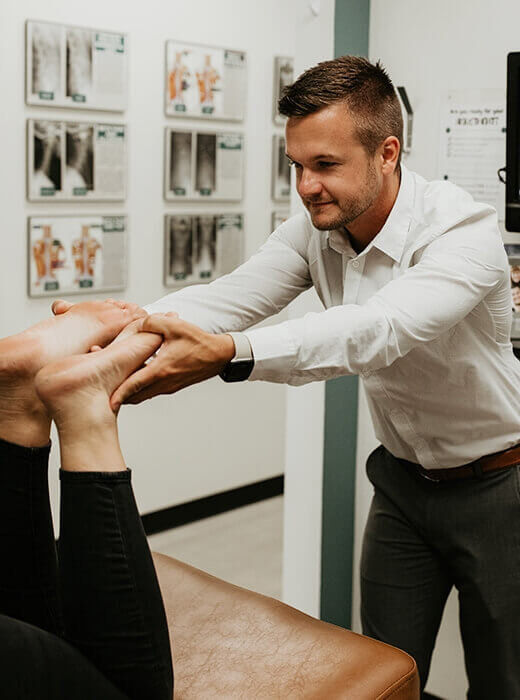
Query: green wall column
(351, 24)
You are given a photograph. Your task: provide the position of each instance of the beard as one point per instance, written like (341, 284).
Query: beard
(348, 210)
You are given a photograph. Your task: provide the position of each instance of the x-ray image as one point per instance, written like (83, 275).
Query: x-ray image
(206, 245)
(46, 60)
(283, 77)
(79, 173)
(203, 165)
(180, 262)
(79, 64)
(46, 174)
(75, 160)
(206, 163)
(180, 162)
(281, 189)
(201, 247)
(75, 67)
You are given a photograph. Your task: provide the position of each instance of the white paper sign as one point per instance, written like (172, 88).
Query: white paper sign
(473, 143)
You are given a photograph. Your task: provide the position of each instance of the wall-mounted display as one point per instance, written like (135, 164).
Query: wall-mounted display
(281, 174)
(203, 165)
(75, 67)
(283, 77)
(75, 161)
(407, 112)
(513, 254)
(205, 81)
(76, 254)
(278, 217)
(201, 247)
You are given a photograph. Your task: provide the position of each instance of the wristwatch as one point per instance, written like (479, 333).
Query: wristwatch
(240, 367)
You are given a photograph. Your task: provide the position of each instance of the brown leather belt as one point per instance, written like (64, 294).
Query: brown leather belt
(488, 463)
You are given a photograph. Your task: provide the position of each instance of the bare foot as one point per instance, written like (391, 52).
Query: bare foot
(23, 418)
(76, 394)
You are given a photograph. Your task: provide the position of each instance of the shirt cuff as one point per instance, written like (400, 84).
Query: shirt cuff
(274, 351)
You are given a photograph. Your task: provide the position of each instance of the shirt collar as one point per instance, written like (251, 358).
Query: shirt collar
(392, 237)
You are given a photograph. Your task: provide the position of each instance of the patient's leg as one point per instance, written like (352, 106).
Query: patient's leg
(23, 418)
(28, 565)
(112, 605)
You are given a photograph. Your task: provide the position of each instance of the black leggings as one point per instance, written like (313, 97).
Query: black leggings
(86, 622)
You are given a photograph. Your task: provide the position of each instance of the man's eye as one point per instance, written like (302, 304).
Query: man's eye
(325, 164)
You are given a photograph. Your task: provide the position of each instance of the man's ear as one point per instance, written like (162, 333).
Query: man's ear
(390, 149)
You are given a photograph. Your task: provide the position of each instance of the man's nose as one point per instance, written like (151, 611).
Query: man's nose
(308, 184)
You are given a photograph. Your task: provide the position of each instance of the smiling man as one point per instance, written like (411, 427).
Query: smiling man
(414, 281)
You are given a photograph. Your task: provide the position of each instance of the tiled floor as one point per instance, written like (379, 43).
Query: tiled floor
(243, 546)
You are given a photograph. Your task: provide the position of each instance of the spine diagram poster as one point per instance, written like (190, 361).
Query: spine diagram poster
(75, 67)
(203, 165)
(201, 247)
(513, 253)
(75, 161)
(283, 77)
(76, 254)
(205, 81)
(281, 176)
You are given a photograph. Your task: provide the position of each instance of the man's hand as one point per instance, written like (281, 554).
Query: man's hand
(187, 356)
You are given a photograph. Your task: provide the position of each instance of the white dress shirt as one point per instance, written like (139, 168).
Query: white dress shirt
(423, 315)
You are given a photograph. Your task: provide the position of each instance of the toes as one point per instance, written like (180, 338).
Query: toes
(60, 306)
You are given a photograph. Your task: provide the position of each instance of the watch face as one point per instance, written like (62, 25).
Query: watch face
(237, 371)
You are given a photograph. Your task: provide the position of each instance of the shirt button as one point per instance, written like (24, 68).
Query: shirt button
(355, 264)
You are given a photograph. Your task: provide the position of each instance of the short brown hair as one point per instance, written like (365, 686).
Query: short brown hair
(366, 90)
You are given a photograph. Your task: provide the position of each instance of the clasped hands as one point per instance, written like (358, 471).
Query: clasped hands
(188, 355)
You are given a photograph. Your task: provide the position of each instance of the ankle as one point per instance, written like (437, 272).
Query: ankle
(91, 447)
(25, 430)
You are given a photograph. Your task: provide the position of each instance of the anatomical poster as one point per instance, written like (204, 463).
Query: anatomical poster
(203, 165)
(75, 161)
(513, 254)
(76, 254)
(201, 247)
(205, 81)
(75, 67)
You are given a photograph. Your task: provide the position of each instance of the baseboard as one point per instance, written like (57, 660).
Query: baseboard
(184, 513)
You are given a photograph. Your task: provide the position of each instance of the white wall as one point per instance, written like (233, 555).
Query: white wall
(430, 48)
(305, 405)
(213, 436)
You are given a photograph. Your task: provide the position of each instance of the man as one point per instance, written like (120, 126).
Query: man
(415, 282)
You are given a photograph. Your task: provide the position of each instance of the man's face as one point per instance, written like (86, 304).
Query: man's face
(335, 177)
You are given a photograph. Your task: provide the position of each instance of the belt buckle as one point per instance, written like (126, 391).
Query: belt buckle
(424, 473)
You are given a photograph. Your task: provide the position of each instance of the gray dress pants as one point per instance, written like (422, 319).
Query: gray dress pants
(424, 537)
